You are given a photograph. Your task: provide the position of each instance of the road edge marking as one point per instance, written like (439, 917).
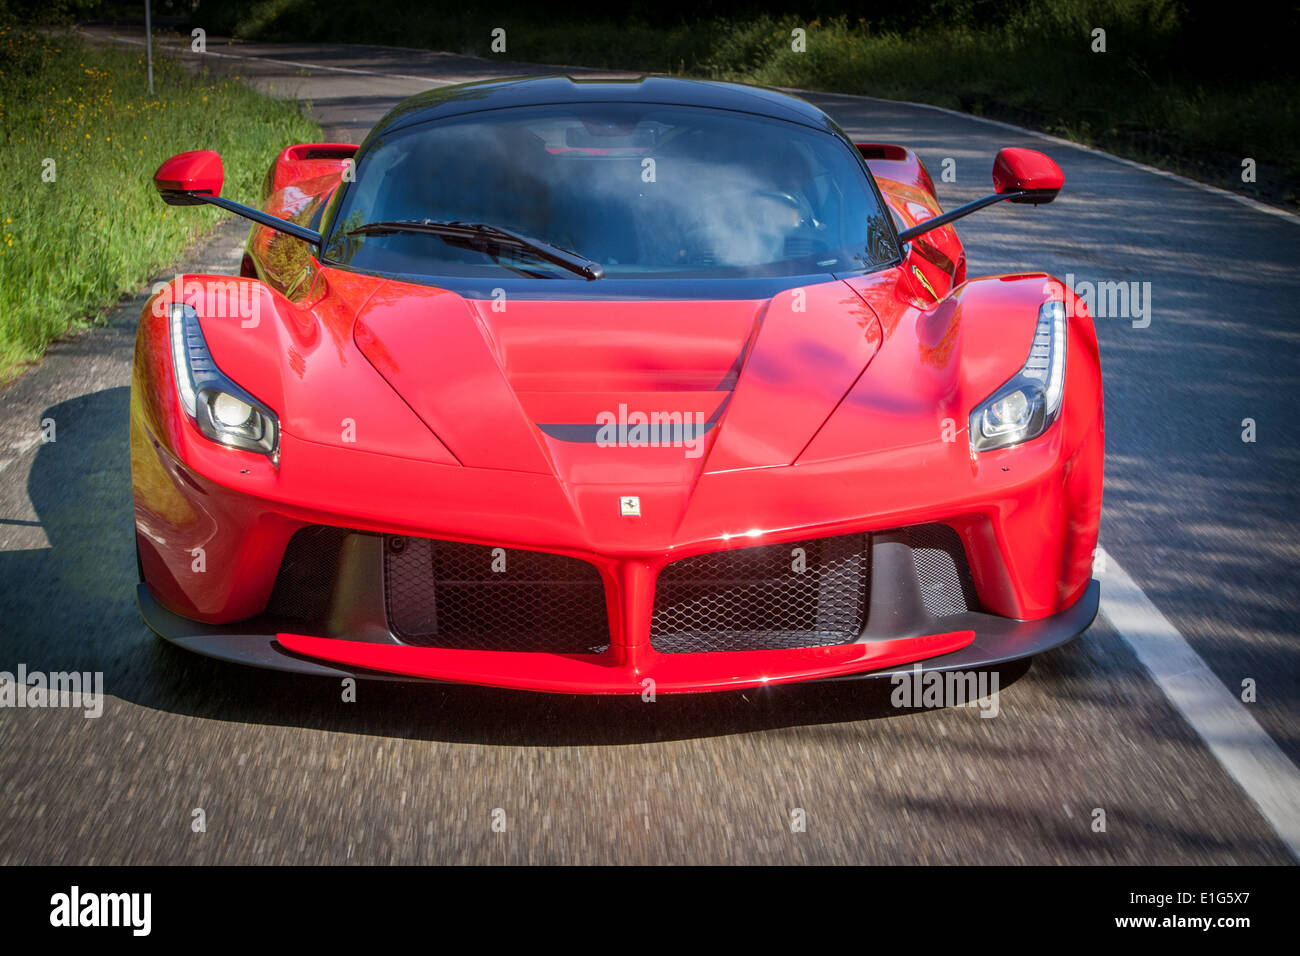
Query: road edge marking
(1248, 201)
(1249, 755)
(318, 67)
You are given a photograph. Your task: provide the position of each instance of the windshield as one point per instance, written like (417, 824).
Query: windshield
(645, 190)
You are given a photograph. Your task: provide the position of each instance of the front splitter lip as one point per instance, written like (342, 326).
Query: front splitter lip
(964, 642)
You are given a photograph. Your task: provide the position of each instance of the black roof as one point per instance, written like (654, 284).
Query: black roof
(545, 90)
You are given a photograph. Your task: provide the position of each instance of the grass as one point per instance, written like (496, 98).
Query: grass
(80, 223)
(1165, 90)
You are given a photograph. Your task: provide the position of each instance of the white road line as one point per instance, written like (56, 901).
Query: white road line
(1247, 201)
(295, 63)
(1247, 753)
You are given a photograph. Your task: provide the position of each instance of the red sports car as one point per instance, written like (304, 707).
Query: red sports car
(609, 386)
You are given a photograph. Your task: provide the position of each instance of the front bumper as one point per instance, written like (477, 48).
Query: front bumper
(968, 641)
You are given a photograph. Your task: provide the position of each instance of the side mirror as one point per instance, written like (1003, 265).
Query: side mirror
(186, 177)
(1029, 172)
(1019, 175)
(194, 178)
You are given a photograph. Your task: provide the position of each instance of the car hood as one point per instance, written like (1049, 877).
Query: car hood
(602, 391)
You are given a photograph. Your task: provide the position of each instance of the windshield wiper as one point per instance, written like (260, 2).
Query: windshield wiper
(480, 234)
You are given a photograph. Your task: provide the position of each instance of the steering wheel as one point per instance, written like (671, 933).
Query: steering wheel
(800, 205)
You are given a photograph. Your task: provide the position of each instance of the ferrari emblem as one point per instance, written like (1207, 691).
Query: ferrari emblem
(630, 505)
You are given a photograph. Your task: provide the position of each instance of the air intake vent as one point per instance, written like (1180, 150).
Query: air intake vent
(305, 584)
(941, 569)
(806, 594)
(469, 596)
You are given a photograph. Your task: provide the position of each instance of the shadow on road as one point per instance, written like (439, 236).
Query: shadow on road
(71, 607)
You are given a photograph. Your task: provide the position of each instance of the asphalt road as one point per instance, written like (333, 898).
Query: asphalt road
(285, 771)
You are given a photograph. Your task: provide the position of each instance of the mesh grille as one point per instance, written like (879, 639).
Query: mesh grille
(941, 569)
(805, 594)
(445, 594)
(305, 583)
(469, 596)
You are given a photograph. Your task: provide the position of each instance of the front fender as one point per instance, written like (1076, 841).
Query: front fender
(1028, 515)
(208, 546)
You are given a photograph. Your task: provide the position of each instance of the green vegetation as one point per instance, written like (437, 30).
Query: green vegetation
(80, 137)
(1174, 86)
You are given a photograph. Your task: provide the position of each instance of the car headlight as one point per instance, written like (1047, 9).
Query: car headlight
(1026, 405)
(223, 411)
